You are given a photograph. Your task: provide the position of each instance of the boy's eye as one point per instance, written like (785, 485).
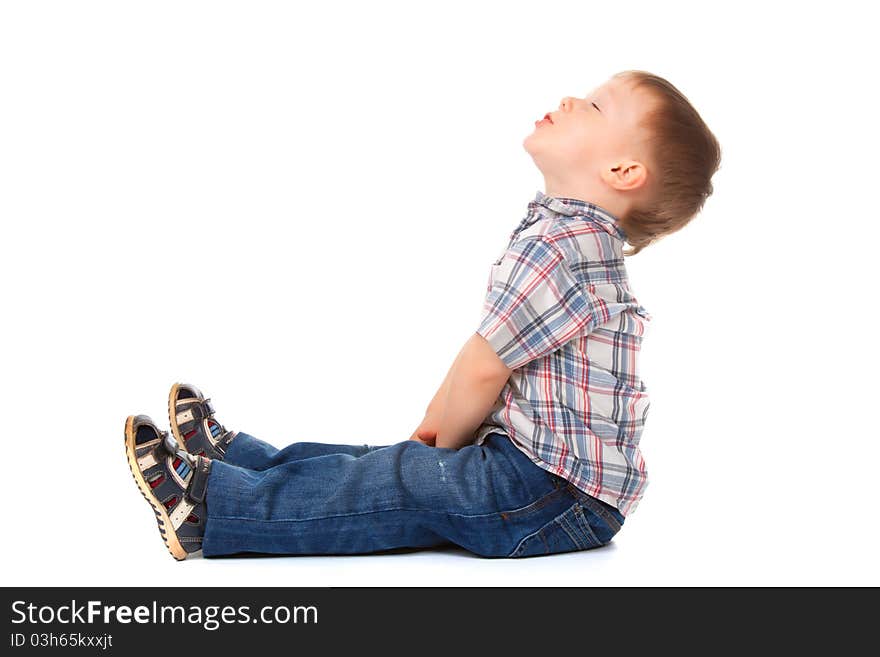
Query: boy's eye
(594, 105)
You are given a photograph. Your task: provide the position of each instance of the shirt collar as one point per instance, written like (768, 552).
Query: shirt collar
(573, 207)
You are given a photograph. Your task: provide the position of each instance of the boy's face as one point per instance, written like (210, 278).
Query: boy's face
(590, 136)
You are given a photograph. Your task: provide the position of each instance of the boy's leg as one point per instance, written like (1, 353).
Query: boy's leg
(490, 499)
(199, 432)
(249, 452)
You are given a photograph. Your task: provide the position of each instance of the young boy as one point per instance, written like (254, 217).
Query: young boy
(530, 445)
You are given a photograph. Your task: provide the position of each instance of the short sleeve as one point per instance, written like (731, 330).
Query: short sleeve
(534, 303)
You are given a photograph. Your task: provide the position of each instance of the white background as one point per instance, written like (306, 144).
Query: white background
(294, 206)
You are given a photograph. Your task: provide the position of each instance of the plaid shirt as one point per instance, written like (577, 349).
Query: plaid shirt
(560, 314)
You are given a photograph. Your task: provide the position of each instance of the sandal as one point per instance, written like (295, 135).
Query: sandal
(172, 481)
(194, 425)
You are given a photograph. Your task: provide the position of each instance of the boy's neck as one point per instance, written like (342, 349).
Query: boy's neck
(615, 205)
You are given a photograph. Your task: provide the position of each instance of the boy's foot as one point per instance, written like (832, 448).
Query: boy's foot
(172, 481)
(194, 425)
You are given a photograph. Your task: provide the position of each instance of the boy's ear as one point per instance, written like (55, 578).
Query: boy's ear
(628, 175)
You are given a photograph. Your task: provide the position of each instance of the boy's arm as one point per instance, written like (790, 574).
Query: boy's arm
(469, 392)
(427, 429)
(438, 403)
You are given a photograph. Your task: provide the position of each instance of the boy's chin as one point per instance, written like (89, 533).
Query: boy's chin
(530, 146)
(533, 152)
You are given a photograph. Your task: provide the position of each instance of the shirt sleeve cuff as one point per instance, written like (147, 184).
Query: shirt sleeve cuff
(498, 338)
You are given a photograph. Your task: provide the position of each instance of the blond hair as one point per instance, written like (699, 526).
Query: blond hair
(685, 155)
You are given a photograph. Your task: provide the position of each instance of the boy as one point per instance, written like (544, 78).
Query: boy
(530, 445)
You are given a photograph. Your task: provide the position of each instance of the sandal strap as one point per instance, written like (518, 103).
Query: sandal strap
(226, 439)
(222, 443)
(150, 459)
(195, 492)
(195, 411)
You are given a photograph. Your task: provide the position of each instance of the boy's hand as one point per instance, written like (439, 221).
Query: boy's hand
(427, 431)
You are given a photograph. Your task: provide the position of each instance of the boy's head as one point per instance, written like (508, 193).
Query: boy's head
(635, 147)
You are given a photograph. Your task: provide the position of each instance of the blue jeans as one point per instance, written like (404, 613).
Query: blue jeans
(316, 498)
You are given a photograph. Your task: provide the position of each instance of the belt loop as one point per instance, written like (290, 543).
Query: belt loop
(576, 492)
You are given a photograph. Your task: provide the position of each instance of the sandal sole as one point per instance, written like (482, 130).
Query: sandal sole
(172, 414)
(169, 536)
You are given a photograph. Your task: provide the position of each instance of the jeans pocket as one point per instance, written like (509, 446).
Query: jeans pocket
(605, 520)
(570, 531)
